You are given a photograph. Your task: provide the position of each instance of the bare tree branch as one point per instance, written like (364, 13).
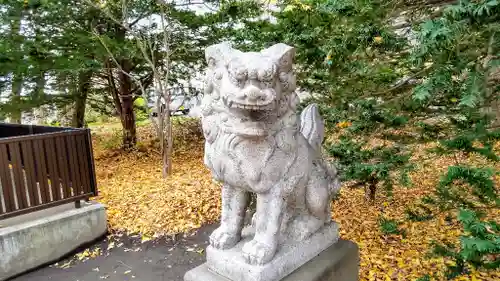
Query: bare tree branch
(114, 91)
(118, 64)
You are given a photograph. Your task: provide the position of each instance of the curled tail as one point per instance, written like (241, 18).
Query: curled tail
(312, 126)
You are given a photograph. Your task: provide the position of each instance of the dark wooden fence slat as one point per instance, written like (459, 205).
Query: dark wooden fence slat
(51, 155)
(6, 180)
(82, 158)
(17, 169)
(75, 171)
(90, 156)
(41, 170)
(29, 169)
(62, 159)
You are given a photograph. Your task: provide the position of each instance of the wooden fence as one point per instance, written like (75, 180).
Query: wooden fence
(42, 167)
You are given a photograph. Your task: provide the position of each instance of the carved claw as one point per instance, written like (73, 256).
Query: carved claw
(257, 253)
(223, 239)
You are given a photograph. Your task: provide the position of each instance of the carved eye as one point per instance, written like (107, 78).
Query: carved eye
(267, 74)
(253, 74)
(211, 62)
(285, 62)
(218, 75)
(237, 76)
(283, 76)
(240, 74)
(235, 80)
(267, 84)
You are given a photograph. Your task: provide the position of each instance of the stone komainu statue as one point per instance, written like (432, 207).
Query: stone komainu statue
(256, 142)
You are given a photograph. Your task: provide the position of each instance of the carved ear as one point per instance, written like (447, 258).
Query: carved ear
(282, 54)
(216, 54)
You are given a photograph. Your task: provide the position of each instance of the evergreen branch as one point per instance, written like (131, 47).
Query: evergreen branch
(435, 14)
(489, 54)
(399, 84)
(118, 65)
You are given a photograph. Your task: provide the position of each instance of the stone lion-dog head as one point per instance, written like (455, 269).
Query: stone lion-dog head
(254, 88)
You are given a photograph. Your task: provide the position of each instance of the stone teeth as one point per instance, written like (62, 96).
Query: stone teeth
(233, 104)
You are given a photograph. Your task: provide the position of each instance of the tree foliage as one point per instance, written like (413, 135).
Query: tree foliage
(386, 86)
(99, 53)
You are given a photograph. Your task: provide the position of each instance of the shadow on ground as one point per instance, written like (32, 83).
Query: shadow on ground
(162, 259)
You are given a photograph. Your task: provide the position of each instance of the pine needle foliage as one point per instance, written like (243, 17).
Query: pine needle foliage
(384, 89)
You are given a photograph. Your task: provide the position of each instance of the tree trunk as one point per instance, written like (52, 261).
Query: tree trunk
(128, 122)
(40, 86)
(370, 191)
(167, 148)
(81, 99)
(164, 127)
(17, 87)
(79, 111)
(17, 78)
(124, 96)
(127, 106)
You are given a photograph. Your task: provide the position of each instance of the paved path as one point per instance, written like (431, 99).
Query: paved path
(155, 260)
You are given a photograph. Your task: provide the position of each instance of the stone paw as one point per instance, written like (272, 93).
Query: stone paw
(257, 253)
(222, 239)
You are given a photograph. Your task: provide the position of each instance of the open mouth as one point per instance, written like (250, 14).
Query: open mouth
(256, 106)
(250, 119)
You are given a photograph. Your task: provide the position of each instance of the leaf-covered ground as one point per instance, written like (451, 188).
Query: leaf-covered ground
(138, 200)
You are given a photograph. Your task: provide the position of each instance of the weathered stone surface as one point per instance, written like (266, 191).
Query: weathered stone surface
(255, 142)
(340, 262)
(291, 255)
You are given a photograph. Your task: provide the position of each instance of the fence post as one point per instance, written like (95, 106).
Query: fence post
(90, 156)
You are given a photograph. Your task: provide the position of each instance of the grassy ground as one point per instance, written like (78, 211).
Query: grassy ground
(140, 201)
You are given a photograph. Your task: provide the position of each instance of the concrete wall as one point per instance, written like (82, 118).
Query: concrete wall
(29, 241)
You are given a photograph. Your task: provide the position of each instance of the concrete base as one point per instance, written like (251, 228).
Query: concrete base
(34, 239)
(340, 262)
(290, 256)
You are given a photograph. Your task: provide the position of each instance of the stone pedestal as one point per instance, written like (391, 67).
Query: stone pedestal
(339, 262)
(290, 256)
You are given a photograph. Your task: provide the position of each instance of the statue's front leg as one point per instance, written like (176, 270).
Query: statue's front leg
(270, 211)
(234, 204)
